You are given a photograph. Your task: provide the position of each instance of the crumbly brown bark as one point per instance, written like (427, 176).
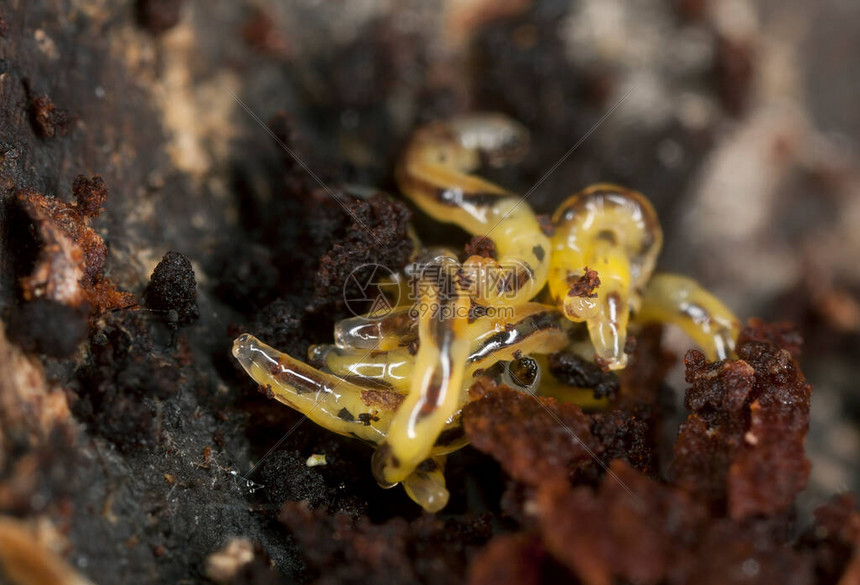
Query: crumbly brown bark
(738, 466)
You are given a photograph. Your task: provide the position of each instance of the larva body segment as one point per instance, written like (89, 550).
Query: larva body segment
(340, 406)
(614, 231)
(435, 174)
(681, 301)
(529, 328)
(389, 369)
(426, 485)
(396, 329)
(436, 389)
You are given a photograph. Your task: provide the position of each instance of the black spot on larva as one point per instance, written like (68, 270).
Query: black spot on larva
(523, 329)
(346, 415)
(448, 436)
(524, 370)
(539, 253)
(609, 236)
(413, 346)
(366, 418)
(427, 466)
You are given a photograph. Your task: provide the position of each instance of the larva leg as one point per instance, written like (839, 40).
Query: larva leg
(339, 406)
(614, 231)
(681, 301)
(436, 391)
(434, 173)
(426, 485)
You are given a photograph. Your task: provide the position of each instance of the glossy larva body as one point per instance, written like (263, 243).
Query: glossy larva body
(399, 383)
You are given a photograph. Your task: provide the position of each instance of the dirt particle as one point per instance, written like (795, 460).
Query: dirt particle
(262, 36)
(48, 120)
(71, 257)
(173, 287)
(584, 285)
(582, 373)
(90, 194)
(480, 246)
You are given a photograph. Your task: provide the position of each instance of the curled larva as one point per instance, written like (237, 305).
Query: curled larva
(681, 301)
(615, 232)
(435, 173)
(399, 381)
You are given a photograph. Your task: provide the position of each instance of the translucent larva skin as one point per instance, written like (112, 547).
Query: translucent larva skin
(435, 173)
(396, 329)
(614, 231)
(681, 301)
(399, 381)
(340, 406)
(436, 391)
(533, 328)
(389, 369)
(536, 328)
(426, 485)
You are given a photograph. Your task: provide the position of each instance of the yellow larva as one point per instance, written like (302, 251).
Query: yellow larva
(398, 382)
(435, 174)
(614, 231)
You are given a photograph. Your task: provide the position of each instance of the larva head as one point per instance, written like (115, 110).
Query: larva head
(617, 215)
(242, 348)
(614, 233)
(499, 139)
(467, 142)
